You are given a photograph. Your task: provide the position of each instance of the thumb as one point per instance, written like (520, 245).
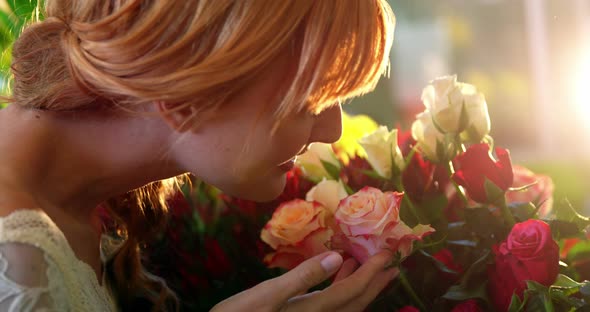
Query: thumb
(306, 275)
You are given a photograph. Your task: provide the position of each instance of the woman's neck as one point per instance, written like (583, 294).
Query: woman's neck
(68, 165)
(75, 162)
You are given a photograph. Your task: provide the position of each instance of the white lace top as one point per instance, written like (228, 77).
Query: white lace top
(40, 272)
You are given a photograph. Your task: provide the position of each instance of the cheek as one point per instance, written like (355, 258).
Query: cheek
(292, 136)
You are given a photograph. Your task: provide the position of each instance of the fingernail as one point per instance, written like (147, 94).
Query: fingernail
(331, 263)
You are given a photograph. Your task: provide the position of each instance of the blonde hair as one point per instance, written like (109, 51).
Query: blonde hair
(120, 54)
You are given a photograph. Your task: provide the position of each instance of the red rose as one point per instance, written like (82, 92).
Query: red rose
(352, 174)
(178, 205)
(217, 261)
(477, 164)
(528, 253)
(409, 309)
(467, 306)
(446, 257)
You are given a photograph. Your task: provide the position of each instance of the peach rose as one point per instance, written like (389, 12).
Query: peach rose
(368, 211)
(369, 222)
(297, 231)
(539, 193)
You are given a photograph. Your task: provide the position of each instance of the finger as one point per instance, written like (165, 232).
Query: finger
(379, 282)
(357, 283)
(348, 267)
(306, 275)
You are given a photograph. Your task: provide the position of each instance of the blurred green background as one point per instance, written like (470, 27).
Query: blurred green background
(531, 59)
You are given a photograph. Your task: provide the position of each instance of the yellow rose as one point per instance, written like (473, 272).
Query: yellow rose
(328, 193)
(383, 153)
(311, 161)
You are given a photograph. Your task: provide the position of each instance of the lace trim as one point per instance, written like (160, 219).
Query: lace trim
(34, 227)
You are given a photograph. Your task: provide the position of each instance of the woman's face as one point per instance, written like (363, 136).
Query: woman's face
(235, 150)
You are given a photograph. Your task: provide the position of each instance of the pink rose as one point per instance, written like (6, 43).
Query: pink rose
(539, 193)
(297, 231)
(368, 221)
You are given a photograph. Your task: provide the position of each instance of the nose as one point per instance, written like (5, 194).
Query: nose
(327, 126)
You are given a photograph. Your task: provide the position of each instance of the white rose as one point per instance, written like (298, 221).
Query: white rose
(444, 97)
(328, 193)
(381, 147)
(431, 142)
(310, 162)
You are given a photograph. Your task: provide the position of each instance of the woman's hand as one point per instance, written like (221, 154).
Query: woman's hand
(352, 290)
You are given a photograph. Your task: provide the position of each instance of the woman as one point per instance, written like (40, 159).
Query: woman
(113, 96)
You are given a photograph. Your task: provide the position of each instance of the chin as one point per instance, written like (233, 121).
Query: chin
(262, 190)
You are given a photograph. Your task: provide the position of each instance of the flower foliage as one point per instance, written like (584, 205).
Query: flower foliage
(472, 231)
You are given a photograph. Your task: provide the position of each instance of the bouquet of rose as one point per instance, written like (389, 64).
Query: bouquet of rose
(471, 231)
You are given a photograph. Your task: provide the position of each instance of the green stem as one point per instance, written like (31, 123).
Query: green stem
(506, 213)
(400, 186)
(408, 288)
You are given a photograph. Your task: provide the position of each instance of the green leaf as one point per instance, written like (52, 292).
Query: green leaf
(441, 151)
(476, 272)
(463, 242)
(10, 23)
(460, 293)
(331, 169)
(580, 251)
(373, 174)
(433, 208)
(536, 286)
(493, 192)
(585, 291)
(408, 158)
(522, 211)
(563, 229)
(485, 225)
(516, 304)
(440, 265)
(566, 282)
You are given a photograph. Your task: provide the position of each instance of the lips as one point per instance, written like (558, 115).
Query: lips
(288, 165)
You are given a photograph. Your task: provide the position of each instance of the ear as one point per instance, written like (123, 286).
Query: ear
(180, 120)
